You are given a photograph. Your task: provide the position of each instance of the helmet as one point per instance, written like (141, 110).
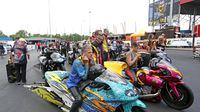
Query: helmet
(95, 71)
(153, 63)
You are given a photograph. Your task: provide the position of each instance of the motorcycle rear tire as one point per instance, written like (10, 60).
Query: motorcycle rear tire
(185, 101)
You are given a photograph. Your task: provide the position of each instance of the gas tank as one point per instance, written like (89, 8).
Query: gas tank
(43, 59)
(56, 57)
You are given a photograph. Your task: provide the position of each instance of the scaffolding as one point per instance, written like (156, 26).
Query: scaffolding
(192, 8)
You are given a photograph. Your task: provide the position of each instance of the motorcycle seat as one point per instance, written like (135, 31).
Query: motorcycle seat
(83, 84)
(99, 85)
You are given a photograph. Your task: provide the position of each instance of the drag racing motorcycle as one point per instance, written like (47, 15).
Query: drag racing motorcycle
(51, 60)
(167, 83)
(146, 57)
(160, 54)
(101, 93)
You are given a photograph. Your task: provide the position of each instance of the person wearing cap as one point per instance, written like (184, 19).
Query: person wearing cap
(20, 59)
(105, 45)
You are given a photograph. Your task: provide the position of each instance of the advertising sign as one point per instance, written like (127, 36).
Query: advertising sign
(183, 42)
(159, 12)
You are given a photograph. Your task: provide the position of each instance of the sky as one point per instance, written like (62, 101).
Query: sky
(72, 16)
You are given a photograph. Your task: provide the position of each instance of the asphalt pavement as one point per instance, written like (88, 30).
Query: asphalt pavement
(16, 98)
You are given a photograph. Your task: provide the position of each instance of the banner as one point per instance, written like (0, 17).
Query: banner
(178, 42)
(183, 42)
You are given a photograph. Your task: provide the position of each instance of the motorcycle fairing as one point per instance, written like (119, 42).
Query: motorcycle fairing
(113, 97)
(60, 75)
(55, 78)
(46, 95)
(115, 66)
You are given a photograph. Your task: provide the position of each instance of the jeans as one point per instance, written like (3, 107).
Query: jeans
(21, 72)
(105, 56)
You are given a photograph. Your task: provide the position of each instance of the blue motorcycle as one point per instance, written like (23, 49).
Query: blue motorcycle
(103, 92)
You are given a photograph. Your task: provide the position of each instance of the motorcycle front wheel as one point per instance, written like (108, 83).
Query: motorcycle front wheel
(134, 109)
(185, 100)
(137, 109)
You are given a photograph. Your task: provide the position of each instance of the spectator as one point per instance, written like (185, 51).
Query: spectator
(63, 49)
(160, 44)
(1, 49)
(20, 59)
(38, 46)
(152, 41)
(105, 45)
(96, 43)
(145, 47)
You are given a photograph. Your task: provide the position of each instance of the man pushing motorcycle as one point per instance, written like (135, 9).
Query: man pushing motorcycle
(79, 72)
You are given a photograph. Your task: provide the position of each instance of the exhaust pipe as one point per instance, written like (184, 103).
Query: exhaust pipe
(150, 95)
(64, 109)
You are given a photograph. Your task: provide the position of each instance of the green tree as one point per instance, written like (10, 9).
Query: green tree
(29, 35)
(45, 35)
(20, 34)
(2, 34)
(57, 36)
(36, 35)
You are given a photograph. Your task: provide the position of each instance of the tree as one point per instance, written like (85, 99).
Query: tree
(29, 35)
(2, 34)
(36, 35)
(57, 36)
(20, 34)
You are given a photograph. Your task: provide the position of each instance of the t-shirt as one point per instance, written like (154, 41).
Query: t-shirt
(132, 57)
(20, 54)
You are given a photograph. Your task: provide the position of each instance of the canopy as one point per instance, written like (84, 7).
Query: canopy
(188, 7)
(6, 39)
(138, 34)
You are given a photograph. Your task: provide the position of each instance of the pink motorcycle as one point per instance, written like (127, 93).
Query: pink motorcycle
(163, 81)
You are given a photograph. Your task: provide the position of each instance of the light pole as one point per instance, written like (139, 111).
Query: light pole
(90, 23)
(171, 12)
(49, 19)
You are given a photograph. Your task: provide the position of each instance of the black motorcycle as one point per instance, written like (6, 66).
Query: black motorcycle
(146, 57)
(72, 55)
(51, 60)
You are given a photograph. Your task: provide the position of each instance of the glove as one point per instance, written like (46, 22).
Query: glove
(84, 77)
(86, 73)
